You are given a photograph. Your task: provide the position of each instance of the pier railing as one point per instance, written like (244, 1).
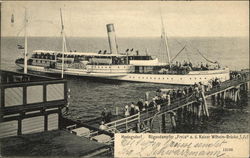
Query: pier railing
(149, 113)
(123, 123)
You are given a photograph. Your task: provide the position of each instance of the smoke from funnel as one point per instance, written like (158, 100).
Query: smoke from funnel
(112, 39)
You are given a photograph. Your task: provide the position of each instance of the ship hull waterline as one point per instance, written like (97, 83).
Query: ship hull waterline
(175, 79)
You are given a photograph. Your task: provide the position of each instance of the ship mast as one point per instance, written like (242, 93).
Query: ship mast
(63, 43)
(25, 42)
(164, 34)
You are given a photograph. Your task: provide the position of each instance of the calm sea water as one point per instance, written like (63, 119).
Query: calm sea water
(90, 96)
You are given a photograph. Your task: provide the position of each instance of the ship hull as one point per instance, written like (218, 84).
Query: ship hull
(180, 79)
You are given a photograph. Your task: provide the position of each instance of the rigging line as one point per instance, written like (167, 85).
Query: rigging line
(187, 55)
(20, 30)
(205, 57)
(178, 53)
(202, 55)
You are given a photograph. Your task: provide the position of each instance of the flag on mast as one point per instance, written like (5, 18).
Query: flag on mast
(12, 19)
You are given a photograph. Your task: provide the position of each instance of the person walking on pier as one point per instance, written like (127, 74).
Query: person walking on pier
(137, 110)
(140, 104)
(146, 105)
(104, 115)
(127, 111)
(103, 126)
(168, 98)
(132, 109)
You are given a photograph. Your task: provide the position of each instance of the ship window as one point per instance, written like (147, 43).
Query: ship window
(171, 78)
(195, 78)
(110, 67)
(142, 77)
(181, 78)
(190, 78)
(139, 77)
(200, 78)
(163, 78)
(146, 77)
(40, 61)
(124, 67)
(159, 78)
(154, 78)
(150, 77)
(205, 78)
(167, 78)
(118, 66)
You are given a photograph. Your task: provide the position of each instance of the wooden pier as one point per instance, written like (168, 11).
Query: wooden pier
(187, 110)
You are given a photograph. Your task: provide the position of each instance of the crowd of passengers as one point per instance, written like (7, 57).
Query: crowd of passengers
(184, 67)
(166, 98)
(163, 98)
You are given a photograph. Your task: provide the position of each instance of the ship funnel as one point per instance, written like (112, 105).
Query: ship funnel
(112, 39)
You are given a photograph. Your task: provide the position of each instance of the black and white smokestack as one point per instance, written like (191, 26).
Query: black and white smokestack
(112, 39)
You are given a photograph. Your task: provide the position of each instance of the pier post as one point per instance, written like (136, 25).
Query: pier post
(213, 100)
(199, 110)
(173, 122)
(193, 113)
(223, 97)
(204, 103)
(163, 122)
(179, 116)
(185, 114)
(218, 98)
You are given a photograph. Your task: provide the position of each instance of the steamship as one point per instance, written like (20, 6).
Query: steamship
(117, 66)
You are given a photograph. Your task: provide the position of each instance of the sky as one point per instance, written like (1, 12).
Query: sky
(131, 19)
